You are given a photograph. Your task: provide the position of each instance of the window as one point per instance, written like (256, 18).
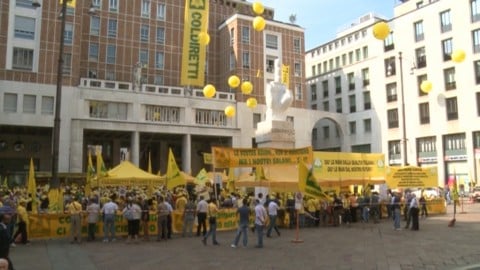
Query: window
(476, 40)
(160, 35)
(452, 109)
(352, 126)
(93, 52)
(390, 66)
(330, 64)
(97, 3)
(270, 65)
(246, 59)
(159, 60)
(325, 88)
(337, 62)
(10, 102)
(454, 142)
(110, 75)
(478, 103)
(296, 45)
(365, 77)
(24, 3)
(358, 55)
(313, 107)
(113, 5)
(427, 145)
(232, 36)
(391, 92)
(326, 106)
(388, 44)
(447, 49)
(232, 60)
(24, 27)
(420, 57)
(476, 67)
(367, 125)
(350, 58)
(161, 12)
(144, 29)
(326, 132)
(67, 64)
(95, 25)
(146, 8)
(298, 91)
(418, 30)
(210, 117)
(29, 103)
(338, 85)
(143, 57)
(344, 59)
(475, 10)
(449, 77)
(394, 152)
(257, 118)
(245, 34)
(338, 105)
(420, 80)
(424, 110)
(353, 103)
(158, 79)
(365, 52)
(271, 41)
(68, 34)
(111, 54)
(313, 91)
(108, 110)
(319, 68)
(297, 69)
(22, 58)
(314, 70)
(351, 81)
(165, 114)
(47, 105)
(367, 103)
(392, 116)
(445, 21)
(112, 28)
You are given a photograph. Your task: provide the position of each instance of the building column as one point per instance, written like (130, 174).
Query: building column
(77, 157)
(187, 153)
(135, 148)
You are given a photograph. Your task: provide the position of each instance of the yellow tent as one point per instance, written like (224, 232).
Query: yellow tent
(127, 174)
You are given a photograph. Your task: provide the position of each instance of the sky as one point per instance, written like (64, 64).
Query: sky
(323, 18)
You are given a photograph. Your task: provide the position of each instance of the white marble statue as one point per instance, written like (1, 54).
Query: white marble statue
(278, 97)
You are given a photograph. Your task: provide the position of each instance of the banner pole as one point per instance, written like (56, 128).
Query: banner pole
(297, 240)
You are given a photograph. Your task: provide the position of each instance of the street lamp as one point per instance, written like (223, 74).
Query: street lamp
(404, 127)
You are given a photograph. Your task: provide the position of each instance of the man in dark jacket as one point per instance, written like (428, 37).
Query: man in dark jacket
(5, 219)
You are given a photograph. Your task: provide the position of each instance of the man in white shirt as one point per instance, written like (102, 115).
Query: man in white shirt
(414, 211)
(109, 211)
(272, 213)
(202, 209)
(260, 220)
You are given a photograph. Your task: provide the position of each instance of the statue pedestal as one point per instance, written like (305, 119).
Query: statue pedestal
(275, 134)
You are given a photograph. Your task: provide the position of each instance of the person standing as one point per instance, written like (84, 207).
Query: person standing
(22, 217)
(132, 212)
(414, 212)
(145, 217)
(272, 214)
(202, 209)
(188, 217)
(337, 210)
(260, 221)
(74, 208)
(162, 212)
(93, 211)
(423, 206)
(5, 219)
(212, 222)
(109, 211)
(395, 206)
(243, 214)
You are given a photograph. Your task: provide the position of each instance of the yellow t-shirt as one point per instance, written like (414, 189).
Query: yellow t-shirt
(74, 208)
(212, 210)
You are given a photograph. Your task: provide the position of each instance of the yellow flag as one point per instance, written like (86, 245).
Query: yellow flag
(32, 186)
(174, 177)
(308, 184)
(70, 3)
(201, 178)
(259, 174)
(231, 180)
(285, 75)
(149, 163)
(90, 175)
(101, 170)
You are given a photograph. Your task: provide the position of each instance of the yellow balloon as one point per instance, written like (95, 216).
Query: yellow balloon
(230, 111)
(233, 81)
(426, 86)
(458, 56)
(258, 8)
(209, 91)
(258, 23)
(251, 103)
(381, 30)
(203, 38)
(247, 87)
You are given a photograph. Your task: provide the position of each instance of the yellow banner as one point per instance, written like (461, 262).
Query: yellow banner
(193, 57)
(285, 75)
(337, 166)
(70, 3)
(404, 177)
(207, 158)
(58, 225)
(223, 157)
